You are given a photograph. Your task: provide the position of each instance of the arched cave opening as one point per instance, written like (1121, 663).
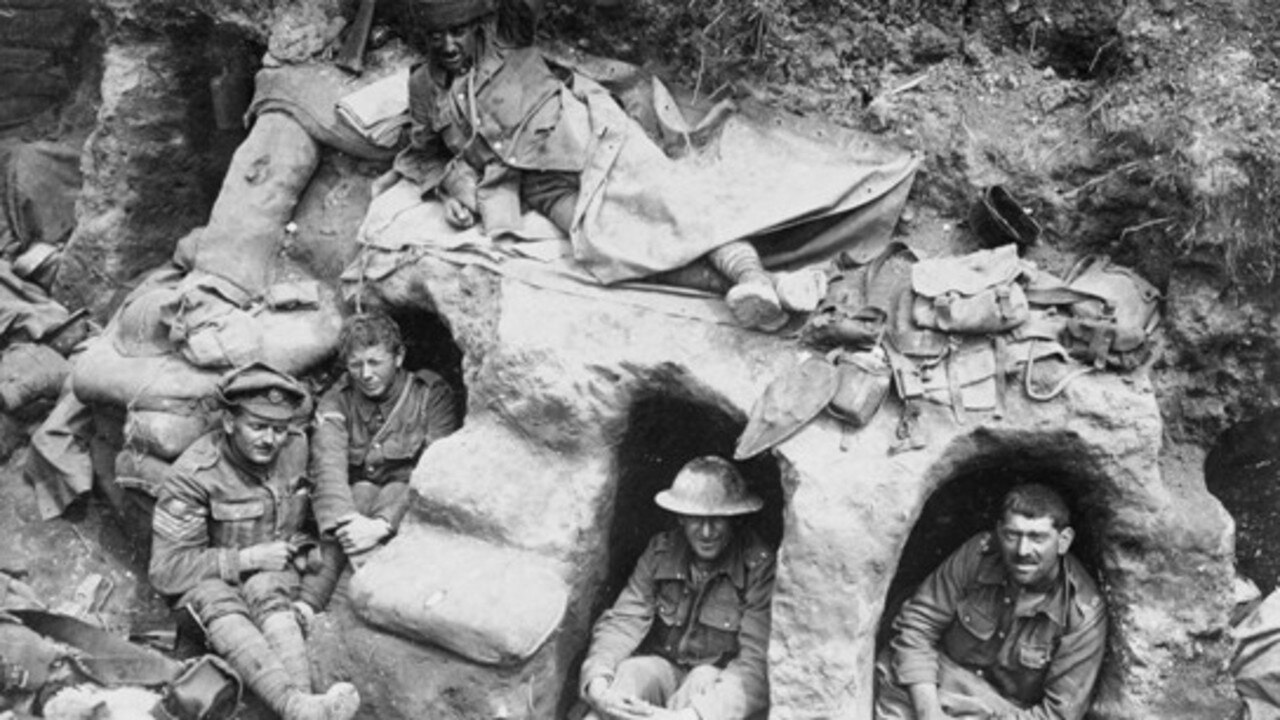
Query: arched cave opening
(1243, 471)
(968, 502)
(429, 345)
(667, 425)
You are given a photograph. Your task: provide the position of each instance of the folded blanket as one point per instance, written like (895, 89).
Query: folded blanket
(379, 111)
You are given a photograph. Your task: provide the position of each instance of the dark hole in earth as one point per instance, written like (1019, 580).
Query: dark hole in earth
(667, 426)
(969, 502)
(1242, 471)
(429, 344)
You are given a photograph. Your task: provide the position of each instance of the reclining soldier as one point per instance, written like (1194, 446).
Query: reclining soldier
(489, 134)
(688, 636)
(228, 540)
(1010, 626)
(371, 428)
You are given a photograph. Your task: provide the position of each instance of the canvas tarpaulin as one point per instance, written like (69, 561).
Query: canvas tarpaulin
(764, 176)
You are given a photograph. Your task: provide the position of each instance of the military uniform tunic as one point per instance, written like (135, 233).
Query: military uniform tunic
(723, 621)
(1044, 658)
(364, 451)
(213, 505)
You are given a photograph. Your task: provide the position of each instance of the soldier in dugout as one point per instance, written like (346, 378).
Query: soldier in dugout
(687, 639)
(1010, 627)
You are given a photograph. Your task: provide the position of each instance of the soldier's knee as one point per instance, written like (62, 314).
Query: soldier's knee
(271, 592)
(212, 599)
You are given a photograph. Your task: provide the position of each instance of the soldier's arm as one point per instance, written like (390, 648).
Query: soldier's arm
(331, 499)
(742, 689)
(1073, 670)
(442, 416)
(438, 418)
(621, 628)
(180, 553)
(426, 156)
(922, 621)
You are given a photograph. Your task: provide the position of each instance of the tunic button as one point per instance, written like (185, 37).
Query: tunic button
(497, 145)
(1000, 634)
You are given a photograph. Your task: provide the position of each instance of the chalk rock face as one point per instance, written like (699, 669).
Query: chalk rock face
(583, 402)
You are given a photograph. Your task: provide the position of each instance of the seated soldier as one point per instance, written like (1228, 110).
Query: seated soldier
(489, 134)
(228, 540)
(1010, 626)
(371, 428)
(688, 636)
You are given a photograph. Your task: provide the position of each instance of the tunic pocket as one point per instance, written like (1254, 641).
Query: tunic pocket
(234, 511)
(670, 597)
(976, 621)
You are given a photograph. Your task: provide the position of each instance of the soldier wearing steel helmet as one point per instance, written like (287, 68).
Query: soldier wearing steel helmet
(229, 541)
(688, 636)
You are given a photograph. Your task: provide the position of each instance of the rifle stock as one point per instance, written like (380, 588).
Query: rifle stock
(351, 55)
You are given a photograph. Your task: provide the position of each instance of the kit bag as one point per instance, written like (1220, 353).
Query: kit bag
(855, 311)
(1112, 325)
(978, 293)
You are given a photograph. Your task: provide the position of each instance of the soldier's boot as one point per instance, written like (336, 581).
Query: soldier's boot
(244, 647)
(285, 636)
(753, 299)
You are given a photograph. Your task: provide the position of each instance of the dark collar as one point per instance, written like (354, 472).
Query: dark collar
(1056, 602)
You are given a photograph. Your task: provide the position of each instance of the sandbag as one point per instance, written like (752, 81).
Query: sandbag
(138, 470)
(165, 427)
(101, 375)
(267, 176)
(490, 604)
(30, 378)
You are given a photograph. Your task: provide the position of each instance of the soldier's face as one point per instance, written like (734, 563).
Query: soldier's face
(373, 369)
(257, 439)
(708, 536)
(1030, 548)
(454, 49)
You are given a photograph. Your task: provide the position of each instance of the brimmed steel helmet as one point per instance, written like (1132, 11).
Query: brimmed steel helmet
(708, 486)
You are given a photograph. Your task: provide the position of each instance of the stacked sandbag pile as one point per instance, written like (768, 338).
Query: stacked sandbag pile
(232, 297)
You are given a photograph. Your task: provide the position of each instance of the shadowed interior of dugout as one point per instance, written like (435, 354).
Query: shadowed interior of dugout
(969, 501)
(1241, 471)
(667, 425)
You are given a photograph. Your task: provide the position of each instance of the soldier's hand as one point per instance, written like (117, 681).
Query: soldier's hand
(457, 214)
(362, 533)
(305, 615)
(266, 556)
(615, 705)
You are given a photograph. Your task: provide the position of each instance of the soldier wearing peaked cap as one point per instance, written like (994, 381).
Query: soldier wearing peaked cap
(688, 636)
(229, 541)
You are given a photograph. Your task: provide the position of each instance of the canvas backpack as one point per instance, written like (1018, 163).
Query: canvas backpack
(1112, 324)
(978, 293)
